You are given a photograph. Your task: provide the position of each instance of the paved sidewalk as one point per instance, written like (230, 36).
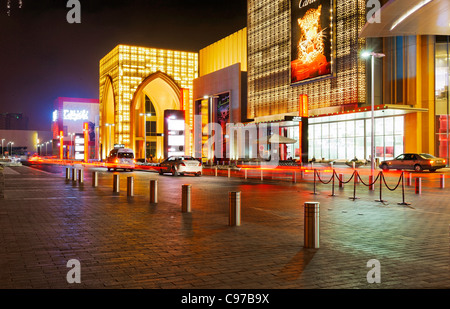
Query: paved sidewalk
(123, 242)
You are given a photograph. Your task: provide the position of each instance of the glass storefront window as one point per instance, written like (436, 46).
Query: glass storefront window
(352, 138)
(442, 107)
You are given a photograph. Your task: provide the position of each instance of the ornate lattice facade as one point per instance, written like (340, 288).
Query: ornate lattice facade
(269, 46)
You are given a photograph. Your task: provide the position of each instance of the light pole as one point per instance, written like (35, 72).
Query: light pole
(12, 143)
(71, 144)
(372, 55)
(46, 152)
(145, 134)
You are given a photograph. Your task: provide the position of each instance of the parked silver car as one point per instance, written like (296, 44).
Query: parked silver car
(414, 161)
(181, 165)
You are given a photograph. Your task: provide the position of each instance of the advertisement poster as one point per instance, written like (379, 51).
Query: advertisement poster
(311, 39)
(223, 115)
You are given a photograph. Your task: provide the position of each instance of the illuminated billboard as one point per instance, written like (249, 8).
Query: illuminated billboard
(174, 133)
(311, 39)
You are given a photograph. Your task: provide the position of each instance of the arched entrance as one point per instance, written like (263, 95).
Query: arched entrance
(107, 131)
(157, 93)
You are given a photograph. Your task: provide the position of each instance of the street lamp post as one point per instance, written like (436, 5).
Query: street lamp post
(71, 144)
(3, 154)
(145, 134)
(12, 143)
(372, 55)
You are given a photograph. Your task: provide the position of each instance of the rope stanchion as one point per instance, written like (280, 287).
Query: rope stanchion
(356, 175)
(403, 191)
(332, 190)
(315, 193)
(381, 176)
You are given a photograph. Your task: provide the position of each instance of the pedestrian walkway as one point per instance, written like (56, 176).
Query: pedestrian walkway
(126, 242)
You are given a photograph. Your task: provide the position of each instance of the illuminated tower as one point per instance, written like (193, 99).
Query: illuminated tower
(137, 84)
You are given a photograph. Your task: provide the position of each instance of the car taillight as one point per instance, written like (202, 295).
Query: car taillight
(431, 161)
(182, 164)
(117, 160)
(199, 164)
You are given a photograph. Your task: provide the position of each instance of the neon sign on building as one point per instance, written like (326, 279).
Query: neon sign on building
(75, 115)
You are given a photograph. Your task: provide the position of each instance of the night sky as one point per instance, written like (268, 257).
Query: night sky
(43, 57)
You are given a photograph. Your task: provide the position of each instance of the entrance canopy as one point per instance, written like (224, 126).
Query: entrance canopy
(410, 17)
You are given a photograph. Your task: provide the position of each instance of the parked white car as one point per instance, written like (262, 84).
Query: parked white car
(181, 165)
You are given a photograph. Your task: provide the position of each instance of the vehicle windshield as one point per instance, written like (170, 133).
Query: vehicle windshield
(186, 158)
(427, 156)
(126, 155)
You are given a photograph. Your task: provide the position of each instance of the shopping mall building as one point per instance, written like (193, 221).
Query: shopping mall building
(298, 64)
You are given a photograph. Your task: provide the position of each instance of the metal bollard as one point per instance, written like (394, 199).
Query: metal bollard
(409, 180)
(245, 174)
(130, 186)
(442, 181)
(80, 176)
(371, 184)
(294, 177)
(235, 208)
(216, 171)
(67, 173)
(74, 174)
(116, 183)
(418, 185)
(311, 225)
(95, 179)
(341, 178)
(262, 176)
(153, 191)
(229, 175)
(186, 198)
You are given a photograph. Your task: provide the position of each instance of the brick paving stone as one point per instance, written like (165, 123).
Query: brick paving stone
(127, 243)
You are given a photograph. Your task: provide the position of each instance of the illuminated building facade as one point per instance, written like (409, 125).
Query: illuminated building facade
(137, 85)
(312, 50)
(76, 124)
(220, 92)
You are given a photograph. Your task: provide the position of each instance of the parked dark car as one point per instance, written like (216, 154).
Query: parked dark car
(414, 161)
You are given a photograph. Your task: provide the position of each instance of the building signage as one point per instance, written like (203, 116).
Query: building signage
(311, 39)
(174, 133)
(76, 115)
(293, 118)
(79, 147)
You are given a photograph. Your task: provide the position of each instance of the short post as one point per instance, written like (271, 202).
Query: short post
(371, 184)
(245, 173)
(216, 171)
(442, 181)
(229, 173)
(353, 163)
(130, 186)
(186, 198)
(80, 176)
(235, 208)
(294, 177)
(418, 188)
(67, 173)
(74, 174)
(153, 191)
(95, 179)
(311, 225)
(262, 177)
(409, 180)
(116, 183)
(341, 180)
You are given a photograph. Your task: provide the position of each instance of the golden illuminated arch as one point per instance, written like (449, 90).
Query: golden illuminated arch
(108, 107)
(164, 93)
